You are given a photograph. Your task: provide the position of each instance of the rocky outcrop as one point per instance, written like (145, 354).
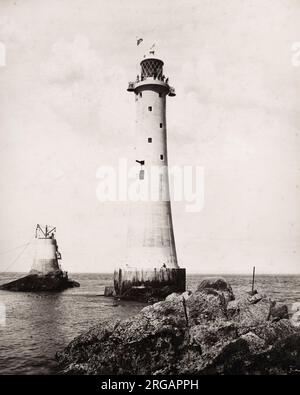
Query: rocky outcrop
(201, 332)
(37, 283)
(295, 320)
(216, 286)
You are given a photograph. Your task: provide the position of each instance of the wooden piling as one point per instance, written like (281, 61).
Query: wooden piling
(253, 279)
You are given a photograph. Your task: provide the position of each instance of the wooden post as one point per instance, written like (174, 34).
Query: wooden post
(120, 282)
(253, 278)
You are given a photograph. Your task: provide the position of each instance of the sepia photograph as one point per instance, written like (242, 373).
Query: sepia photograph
(150, 190)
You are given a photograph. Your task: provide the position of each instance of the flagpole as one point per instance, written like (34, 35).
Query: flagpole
(140, 47)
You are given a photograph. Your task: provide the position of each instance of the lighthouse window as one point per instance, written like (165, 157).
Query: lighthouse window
(142, 173)
(141, 94)
(150, 108)
(149, 139)
(160, 125)
(160, 94)
(161, 157)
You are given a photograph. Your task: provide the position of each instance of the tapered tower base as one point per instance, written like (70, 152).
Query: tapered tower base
(148, 285)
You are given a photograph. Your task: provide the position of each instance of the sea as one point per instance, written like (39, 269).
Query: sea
(34, 326)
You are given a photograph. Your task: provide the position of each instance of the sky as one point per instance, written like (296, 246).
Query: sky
(65, 111)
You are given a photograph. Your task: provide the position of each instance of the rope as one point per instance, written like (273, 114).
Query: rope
(15, 260)
(12, 249)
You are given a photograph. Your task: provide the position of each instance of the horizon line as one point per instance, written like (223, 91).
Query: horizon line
(188, 274)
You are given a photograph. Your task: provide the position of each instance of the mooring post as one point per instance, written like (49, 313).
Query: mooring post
(253, 279)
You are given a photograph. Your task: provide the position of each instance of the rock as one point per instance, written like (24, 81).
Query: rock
(279, 311)
(194, 333)
(295, 307)
(233, 308)
(173, 297)
(255, 343)
(255, 298)
(283, 357)
(206, 337)
(295, 320)
(176, 296)
(109, 291)
(216, 285)
(247, 312)
(252, 293)
(37, 283)
(271, 332)
(203, 307)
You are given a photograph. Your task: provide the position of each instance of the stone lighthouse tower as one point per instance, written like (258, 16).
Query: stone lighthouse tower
(151, 267)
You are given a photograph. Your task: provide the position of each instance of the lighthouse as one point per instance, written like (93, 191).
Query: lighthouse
(151, 268)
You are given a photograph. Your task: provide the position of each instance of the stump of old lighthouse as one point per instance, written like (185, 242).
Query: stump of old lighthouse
(46, 273)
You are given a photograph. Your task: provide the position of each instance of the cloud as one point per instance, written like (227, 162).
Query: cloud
(79, 87)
